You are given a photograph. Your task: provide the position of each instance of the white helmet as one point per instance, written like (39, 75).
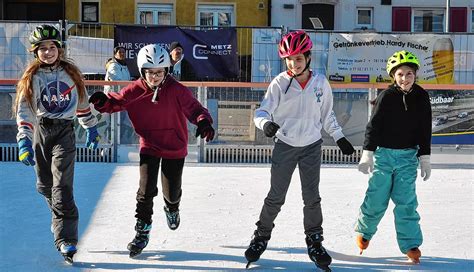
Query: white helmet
(153, 56)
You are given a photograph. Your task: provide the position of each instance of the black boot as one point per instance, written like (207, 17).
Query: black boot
(316, 252)
(256, 248)
(141, 238)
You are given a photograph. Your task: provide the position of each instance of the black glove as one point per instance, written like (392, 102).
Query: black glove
(270, 128)
(205, 130)
(98, 99)
(345, 146)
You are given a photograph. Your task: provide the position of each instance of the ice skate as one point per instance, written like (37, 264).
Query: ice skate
(317, 253)
(68, 250)
(414, 255)
(172, 218)
(141, 238)
(362, 243)
(256, 248)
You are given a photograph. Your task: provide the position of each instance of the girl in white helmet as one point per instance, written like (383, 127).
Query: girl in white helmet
(158, 107)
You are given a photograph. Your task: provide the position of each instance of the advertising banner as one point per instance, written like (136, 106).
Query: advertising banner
(453, 116)
(362, 57)
(211, 53)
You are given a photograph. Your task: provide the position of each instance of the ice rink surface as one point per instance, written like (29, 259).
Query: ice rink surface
(219, 208)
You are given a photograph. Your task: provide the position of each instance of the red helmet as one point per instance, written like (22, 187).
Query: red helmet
(294, 43)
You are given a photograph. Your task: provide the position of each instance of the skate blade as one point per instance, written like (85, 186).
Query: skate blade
(134, 254)
(324, 268)
(68, 260)
(414, 261)
(361, 251)
(248, 265)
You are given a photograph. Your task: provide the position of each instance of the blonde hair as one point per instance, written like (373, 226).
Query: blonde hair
(25, 86)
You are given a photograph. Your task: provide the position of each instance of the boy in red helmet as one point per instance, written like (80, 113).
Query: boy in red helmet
(297, 105)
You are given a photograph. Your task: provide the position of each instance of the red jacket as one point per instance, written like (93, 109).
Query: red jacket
(162, 125)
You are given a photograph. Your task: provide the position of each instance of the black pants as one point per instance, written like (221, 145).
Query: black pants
(55, 154)
(171, 174)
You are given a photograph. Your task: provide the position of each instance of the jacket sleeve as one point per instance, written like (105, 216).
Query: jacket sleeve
(192, 109)
(425, 125)
(268, 105)
(372, 131)
(84, 115)
(328, 117)
(113, 71)
(25, 119)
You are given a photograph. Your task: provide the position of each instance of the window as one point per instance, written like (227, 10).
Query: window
(90, 12)
(155, 14)
(472, 20)
(364, 18)
(216, 15)
(428, 20)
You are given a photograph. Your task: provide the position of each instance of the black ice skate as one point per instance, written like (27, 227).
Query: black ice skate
(172, 218)
(68, 250)
(141, 238)
(256, 248)
(317, 253)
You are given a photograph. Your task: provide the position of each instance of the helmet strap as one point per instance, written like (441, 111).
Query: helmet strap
(157, 89)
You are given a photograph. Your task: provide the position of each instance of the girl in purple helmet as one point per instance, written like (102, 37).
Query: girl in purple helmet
(297, 106)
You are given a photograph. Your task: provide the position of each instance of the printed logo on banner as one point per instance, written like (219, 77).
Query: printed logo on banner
(202, 51)
(360, 78)
(336, 78)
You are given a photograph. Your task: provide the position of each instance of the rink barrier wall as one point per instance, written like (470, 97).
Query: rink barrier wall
(263, 154)
(9, 153)
(223, 150)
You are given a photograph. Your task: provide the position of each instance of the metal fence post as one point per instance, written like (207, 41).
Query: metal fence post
(201, 90)
(372, 95)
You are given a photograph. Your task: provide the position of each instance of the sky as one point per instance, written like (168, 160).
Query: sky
(219, 208)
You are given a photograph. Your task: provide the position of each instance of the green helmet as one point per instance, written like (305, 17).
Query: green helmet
(44, 33)
(402, 57)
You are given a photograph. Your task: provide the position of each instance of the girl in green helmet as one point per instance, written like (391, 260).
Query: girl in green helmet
(397, 140)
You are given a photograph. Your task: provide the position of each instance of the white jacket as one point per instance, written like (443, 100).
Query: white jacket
(116, 72)
(300, 113)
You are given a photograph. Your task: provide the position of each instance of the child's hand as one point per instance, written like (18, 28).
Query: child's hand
(92, 138)
(26, 153)
(345, 146)
(425, 167)
(270, 128)
(366, 164)
(98, 99)
(205, 130)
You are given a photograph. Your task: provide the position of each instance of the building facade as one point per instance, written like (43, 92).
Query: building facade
(374, 15)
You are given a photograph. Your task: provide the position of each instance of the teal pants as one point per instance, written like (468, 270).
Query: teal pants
(393, 178)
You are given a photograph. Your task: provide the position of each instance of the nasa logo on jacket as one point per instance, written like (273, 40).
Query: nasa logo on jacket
(56, 96)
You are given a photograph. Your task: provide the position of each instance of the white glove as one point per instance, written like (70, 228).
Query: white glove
(425, 167)
(366, 163)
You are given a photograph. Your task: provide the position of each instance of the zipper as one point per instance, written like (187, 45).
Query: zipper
(404, 102)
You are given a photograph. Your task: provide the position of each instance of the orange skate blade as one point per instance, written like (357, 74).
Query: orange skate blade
(361, 243)
(415, 261)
